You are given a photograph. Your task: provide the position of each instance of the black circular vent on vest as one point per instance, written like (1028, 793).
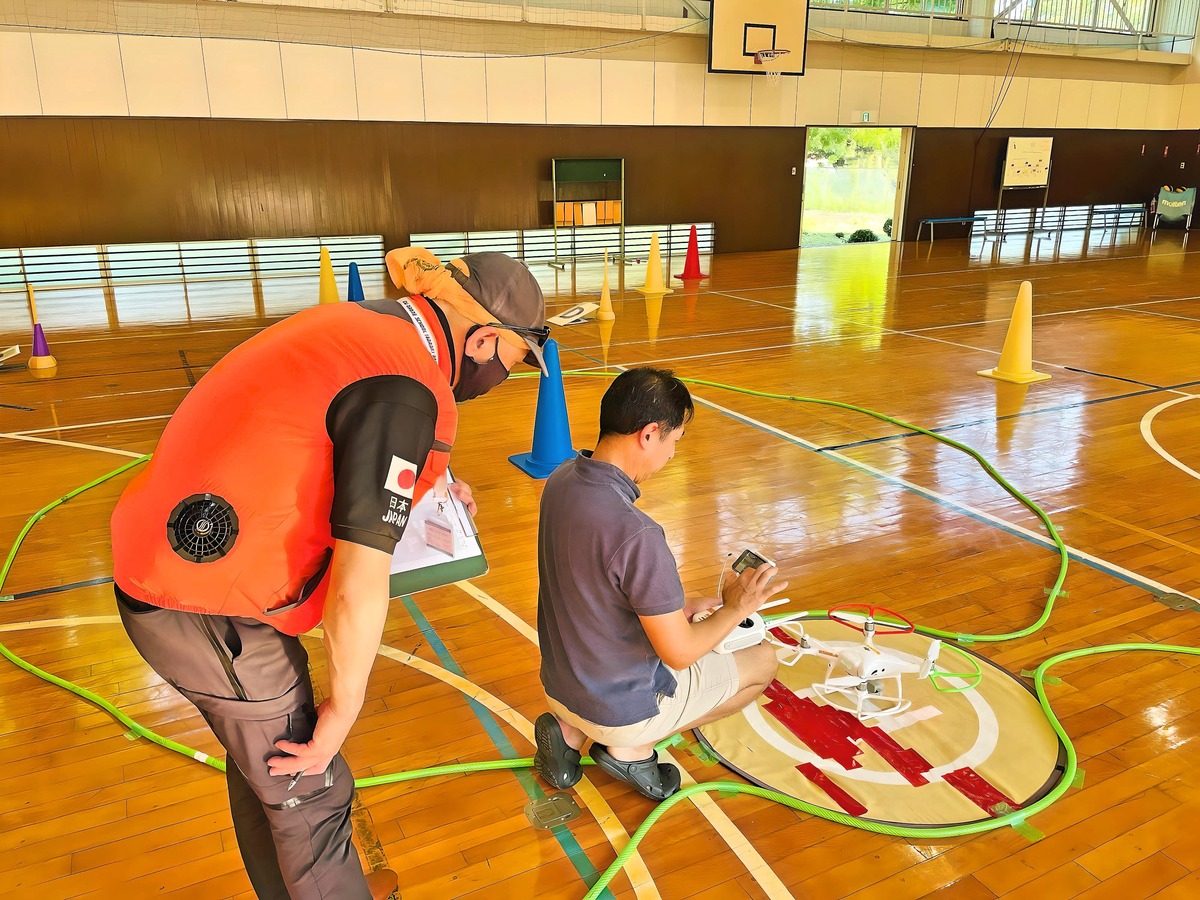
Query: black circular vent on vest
(202, 528)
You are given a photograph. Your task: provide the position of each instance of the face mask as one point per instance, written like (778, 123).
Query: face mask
(479, 378)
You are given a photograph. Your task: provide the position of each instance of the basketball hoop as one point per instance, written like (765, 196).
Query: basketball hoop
(772, 63)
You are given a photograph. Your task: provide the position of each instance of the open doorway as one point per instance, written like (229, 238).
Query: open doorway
(852, 184)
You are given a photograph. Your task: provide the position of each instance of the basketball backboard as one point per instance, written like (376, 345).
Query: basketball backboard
(738, 29)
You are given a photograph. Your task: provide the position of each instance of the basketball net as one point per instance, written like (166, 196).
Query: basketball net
(772, 63)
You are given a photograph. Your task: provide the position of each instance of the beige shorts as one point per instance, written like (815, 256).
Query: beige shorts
(700, 688)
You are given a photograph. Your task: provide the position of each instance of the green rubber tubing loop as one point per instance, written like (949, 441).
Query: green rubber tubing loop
(143, 732)
(134, 727)
(1013, 818)
(900, 423)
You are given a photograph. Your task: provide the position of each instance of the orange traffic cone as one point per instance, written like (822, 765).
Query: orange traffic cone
(691, 263)
(1016, 358)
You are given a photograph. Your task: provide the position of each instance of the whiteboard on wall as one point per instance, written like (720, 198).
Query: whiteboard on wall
(1027, 163)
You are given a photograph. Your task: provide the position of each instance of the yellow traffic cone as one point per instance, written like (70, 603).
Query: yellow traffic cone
(328, 292)
(606, 308)
(654, 286)
(1016, 359)
(1010, 399)
(606, 330)
(653, 315)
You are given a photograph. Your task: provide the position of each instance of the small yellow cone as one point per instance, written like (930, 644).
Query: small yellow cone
(606, 330)
(653, 315)
(1016, 359)
(328, 292)
(1010, 399)
(654, 286)
(605, 312)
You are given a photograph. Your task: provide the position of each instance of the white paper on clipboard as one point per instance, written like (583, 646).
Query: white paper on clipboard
(412, 553)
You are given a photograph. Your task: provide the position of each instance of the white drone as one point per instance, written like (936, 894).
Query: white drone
(870, 675)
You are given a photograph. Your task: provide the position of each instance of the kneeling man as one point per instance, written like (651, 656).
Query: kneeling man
(623, 661)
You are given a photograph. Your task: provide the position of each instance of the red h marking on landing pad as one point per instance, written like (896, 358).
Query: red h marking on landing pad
(832, 790)
(978, 790)
(831, 733)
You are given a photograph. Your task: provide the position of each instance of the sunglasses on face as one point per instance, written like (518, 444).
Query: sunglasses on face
(541, 335)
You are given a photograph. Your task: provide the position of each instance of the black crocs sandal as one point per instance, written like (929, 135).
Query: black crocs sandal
(556, 761)
(653, 779)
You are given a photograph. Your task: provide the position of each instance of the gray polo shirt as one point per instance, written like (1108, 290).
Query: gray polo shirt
(602, 562)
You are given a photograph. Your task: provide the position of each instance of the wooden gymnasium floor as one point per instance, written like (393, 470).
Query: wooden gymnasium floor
(84, 812)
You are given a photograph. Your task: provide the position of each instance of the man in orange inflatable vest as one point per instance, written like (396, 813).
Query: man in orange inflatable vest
(273, 502)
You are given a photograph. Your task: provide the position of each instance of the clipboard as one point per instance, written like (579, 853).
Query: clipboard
(417, 567)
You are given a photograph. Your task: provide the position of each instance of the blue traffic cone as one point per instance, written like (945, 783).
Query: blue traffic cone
(354, 293)
(551, 430)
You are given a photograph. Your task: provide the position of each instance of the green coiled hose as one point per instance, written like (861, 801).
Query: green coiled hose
(1011, 818)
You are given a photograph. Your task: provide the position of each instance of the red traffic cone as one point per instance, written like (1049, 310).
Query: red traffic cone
(691, 263)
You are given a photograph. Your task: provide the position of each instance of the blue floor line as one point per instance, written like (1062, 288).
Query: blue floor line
(60, 588)
(565, 838)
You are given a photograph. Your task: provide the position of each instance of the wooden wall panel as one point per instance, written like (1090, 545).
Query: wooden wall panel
(957, 170)
(86, 181)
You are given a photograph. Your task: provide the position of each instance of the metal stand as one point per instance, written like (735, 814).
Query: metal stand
(1000, 211)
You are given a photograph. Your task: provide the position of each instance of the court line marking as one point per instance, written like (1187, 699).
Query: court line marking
(89, 425)
(40, 440)
(533, 790)
(1148, 434)
(1129, 307)
(635, 869)
(915, 333)
(1162, 315)
(1093, 562)
(106, 336)
(1143, 531)
(1075, 553)
(788, 326)
(758, 867)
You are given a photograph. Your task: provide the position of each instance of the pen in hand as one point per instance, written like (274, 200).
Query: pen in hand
(295, 779)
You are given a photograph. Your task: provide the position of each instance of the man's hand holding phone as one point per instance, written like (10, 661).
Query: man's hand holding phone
(750, 586)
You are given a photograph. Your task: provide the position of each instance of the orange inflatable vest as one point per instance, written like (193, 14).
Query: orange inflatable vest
(253, 433)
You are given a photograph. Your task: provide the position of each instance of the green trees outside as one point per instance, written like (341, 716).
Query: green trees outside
(864, 148)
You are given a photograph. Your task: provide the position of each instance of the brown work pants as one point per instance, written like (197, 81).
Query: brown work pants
(251, 684)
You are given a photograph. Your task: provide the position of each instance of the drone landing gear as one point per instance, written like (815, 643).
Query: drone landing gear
(854, 697)
(869, 686)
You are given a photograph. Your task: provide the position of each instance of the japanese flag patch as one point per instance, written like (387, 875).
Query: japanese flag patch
(401, 478)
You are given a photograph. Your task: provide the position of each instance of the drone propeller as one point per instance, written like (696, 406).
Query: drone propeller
(935, 649)
(873, 616)
(846, 617)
